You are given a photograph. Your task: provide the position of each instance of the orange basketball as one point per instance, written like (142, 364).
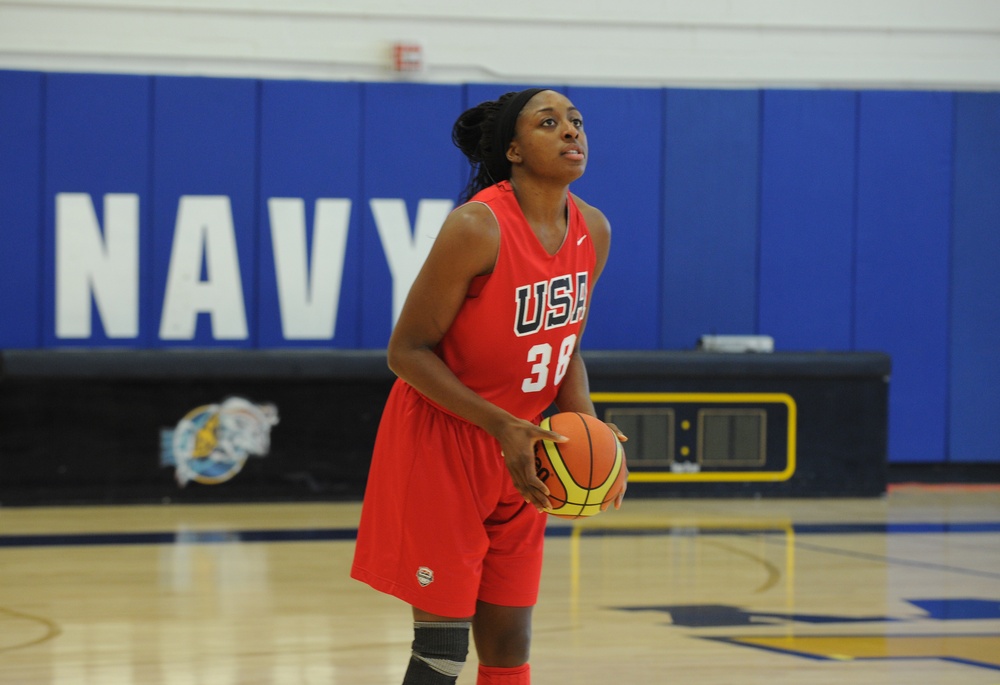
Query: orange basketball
(585, 473)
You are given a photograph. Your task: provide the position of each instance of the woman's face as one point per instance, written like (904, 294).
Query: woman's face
(549, 139)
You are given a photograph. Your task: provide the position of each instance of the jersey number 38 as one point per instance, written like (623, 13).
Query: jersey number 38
(540, 358)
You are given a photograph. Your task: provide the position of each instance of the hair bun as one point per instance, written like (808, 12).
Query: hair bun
(467, 133)
(482, 134)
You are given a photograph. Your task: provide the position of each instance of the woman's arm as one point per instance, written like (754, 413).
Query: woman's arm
(574, 393)
(466, 247)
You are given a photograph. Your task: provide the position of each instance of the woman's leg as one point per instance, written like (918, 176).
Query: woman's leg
(503, 644)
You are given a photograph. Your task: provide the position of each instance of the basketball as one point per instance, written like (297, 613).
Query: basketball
(584, 474)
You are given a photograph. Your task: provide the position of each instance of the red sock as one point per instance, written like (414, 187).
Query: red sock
(492, 675)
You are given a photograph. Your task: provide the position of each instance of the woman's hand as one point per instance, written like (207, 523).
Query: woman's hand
(621, 493)
(517, 440)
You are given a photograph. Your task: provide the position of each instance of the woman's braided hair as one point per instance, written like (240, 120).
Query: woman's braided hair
(483, 134)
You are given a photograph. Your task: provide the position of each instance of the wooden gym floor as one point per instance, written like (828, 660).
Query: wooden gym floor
(902, 589)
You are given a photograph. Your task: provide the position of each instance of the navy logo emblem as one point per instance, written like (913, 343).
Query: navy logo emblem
(212, 442)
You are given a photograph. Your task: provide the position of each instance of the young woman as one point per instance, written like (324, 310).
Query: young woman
(487, 340)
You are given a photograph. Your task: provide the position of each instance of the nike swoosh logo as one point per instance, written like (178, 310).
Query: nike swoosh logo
(581, 239)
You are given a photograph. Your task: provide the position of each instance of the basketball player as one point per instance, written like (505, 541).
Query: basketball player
(487, 340)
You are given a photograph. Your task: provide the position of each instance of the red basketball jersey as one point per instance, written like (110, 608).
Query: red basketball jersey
(513, 337)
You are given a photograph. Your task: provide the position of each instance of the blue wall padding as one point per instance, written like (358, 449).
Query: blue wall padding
(98, 134)
(21, 128)
(902, 270)
(974, 406)
(408, 154)
(833, 220)
(623, 180)
(205, 143)
(710, 217)
(310, 148)
(807, 218)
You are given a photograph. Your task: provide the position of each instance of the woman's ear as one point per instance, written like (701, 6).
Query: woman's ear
(513, 155)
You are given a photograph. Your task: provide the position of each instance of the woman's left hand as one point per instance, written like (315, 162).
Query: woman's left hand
(621, 493)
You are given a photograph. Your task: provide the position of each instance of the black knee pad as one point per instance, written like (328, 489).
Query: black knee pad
(439, 652)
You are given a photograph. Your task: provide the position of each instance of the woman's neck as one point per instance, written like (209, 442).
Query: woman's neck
(542, 205)
(544, 208)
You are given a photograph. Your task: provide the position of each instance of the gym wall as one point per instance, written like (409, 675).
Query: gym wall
(826, 175)
(145, 212)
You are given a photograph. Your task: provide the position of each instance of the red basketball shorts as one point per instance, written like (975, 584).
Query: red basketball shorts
(442, 524)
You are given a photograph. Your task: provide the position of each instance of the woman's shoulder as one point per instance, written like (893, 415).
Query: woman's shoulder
(474, 216)
(592, 216)
(471, 228)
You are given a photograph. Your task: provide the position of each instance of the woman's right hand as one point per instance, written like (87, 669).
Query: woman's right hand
(518, 440)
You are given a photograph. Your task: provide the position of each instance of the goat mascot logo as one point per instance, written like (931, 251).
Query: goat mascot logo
(212, 442)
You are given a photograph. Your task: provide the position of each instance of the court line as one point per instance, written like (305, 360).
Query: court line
(772, 571)
(895, 561)
(51, 629)
(341, 534)
(187, 537)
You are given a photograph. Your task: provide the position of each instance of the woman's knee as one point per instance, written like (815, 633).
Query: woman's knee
(502, 635)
